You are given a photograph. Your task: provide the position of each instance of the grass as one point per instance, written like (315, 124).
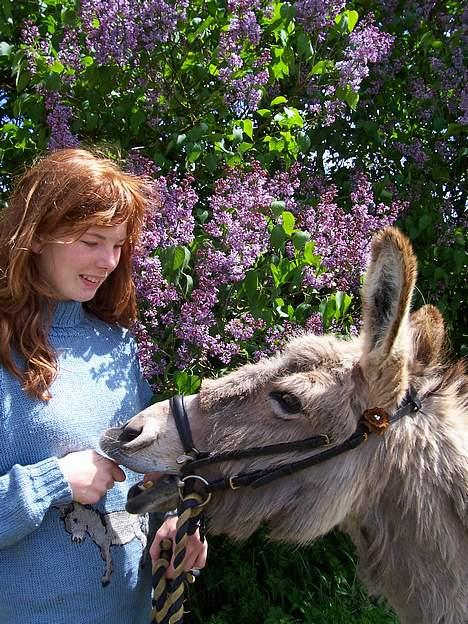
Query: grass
(259, 582)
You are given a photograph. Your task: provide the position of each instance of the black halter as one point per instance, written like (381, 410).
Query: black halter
(373, 420)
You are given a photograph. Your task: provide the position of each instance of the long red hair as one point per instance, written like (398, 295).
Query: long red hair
(68, 190)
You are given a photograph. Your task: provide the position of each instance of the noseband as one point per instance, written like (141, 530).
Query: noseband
(374, 420)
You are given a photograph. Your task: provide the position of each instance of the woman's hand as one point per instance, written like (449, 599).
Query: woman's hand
(90, 475)
(195, 553)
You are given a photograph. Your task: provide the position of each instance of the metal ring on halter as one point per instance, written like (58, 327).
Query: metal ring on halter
(208, 498)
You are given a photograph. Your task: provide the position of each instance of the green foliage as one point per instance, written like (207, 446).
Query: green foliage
(279, 584)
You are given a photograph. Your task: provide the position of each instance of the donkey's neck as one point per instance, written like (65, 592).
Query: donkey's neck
(410, 534)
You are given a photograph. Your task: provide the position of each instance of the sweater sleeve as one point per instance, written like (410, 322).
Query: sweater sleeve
(26, 494)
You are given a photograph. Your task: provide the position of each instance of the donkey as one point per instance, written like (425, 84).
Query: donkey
(402, 496)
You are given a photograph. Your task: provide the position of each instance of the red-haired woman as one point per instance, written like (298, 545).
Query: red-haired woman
(68, 549)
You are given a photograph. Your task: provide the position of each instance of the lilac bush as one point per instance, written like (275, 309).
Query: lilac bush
(276, 138)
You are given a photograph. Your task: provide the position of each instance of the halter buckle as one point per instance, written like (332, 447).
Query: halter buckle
(231, 483)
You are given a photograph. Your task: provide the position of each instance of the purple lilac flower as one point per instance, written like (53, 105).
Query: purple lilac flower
(463, 106)
(141, 165)
(316, 15)
(69, 53)
(36, 46)
(147, 350)
(239, 206)
(117, 30)
(243, 327)
(343, 238)
(278, 336)
(314, 324)
(367, 44)
(243, 89)
(58, 120)
(414, 151)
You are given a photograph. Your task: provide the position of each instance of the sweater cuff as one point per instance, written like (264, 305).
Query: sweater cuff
(49, 482)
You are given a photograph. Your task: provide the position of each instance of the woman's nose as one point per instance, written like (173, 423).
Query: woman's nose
(109, 259)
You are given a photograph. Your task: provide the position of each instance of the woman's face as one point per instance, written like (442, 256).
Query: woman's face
(75, 269)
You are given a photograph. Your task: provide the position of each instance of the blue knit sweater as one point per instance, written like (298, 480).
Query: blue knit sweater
(61, 561)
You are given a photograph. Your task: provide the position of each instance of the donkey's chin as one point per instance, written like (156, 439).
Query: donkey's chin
(158, 495)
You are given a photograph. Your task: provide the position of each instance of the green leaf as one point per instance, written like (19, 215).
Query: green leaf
(304, 46)
(194, 154)
(137, 117)
(350, 19)
(5, 48)
(327, 309)
(309, 256)
(304, 142)
(277, 237)
(302, 311)
(289, 221)
(247, 127)
(278, 100)
(322, 67)
(251, 285)
(277, 207)
(22, 80)
(280, 70)
(349, 96)
(343, 301)
(181, 258)
(244, 147)
(186, 283)
(300, 239)
(186, 383)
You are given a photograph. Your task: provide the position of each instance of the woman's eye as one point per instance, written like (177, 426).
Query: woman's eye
(287, 401)
(89, 243)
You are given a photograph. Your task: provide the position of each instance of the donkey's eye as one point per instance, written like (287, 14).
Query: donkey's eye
(287, 401)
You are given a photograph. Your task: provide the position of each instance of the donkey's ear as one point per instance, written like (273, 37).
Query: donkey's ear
(386, 299)
(428, 336)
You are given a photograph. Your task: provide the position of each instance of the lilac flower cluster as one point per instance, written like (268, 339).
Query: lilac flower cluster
(276, 337)
(342, 238)
(239, 206)
(243, 327)
(58, 120)
(117, 30)
(316, 15)
(70, 52)
(413, 150)
(232, 241)
(367, 44)
(244, 87)
(35, 45)
(238, 236)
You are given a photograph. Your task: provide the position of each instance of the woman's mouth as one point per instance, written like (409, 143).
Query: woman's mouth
(90, 280)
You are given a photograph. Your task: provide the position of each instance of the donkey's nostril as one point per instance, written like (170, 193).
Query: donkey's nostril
(129, 432)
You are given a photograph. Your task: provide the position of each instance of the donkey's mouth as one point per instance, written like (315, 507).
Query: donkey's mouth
(158, 495)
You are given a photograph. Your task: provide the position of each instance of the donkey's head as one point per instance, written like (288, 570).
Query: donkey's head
(318, 386)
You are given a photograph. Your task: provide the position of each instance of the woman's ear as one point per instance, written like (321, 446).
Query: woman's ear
(386, 299)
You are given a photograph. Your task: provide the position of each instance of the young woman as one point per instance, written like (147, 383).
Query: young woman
(68, 549)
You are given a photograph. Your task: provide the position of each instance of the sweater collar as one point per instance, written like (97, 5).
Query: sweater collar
(68, 314)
